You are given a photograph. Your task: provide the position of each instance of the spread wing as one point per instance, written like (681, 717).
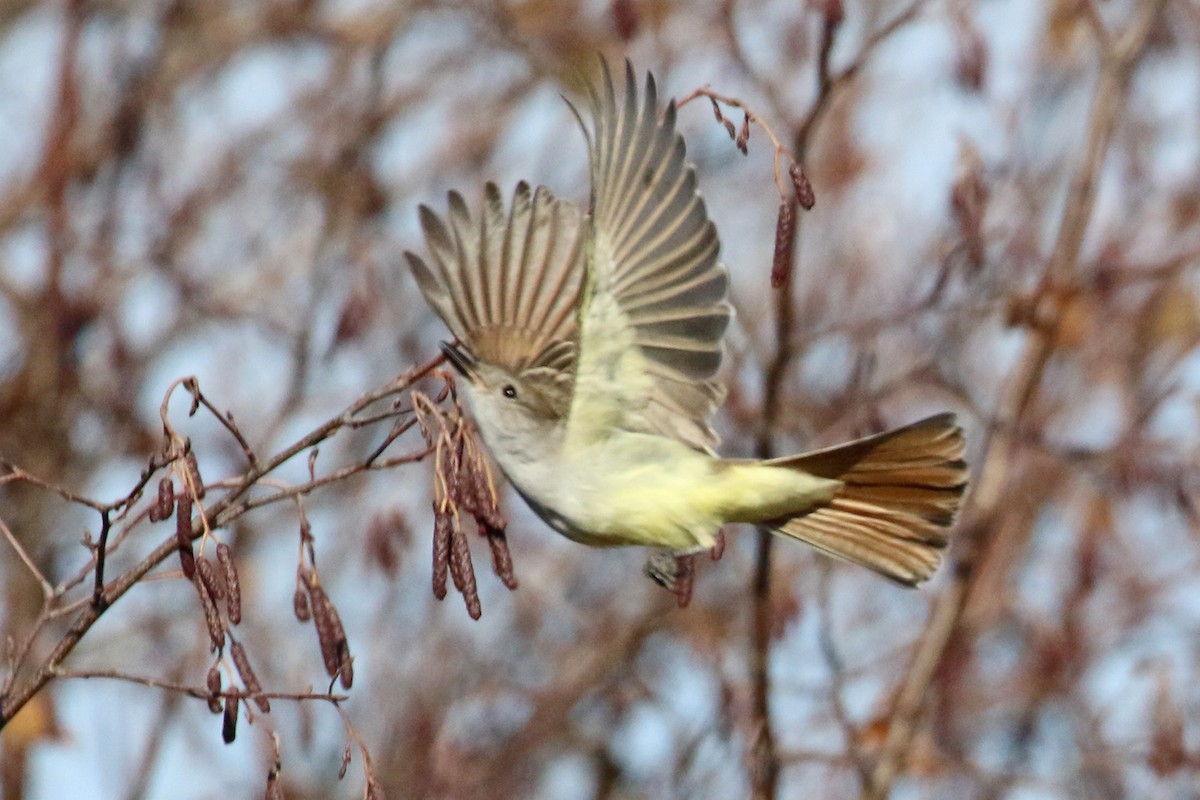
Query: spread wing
(508, 286)
(654, 308)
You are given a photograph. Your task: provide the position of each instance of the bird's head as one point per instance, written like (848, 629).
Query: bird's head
(529, 404)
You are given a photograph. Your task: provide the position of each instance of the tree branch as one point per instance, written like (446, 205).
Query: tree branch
(222, 512)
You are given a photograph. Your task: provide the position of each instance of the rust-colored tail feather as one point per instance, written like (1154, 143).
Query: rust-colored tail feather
(900, 492)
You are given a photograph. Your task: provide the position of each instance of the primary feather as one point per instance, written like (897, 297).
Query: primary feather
(654, 309)
(508, 285)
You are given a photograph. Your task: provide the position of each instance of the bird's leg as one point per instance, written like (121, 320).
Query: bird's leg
(674, 570)
(662, 567)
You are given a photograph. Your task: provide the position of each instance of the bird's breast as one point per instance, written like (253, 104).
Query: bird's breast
(624, 489)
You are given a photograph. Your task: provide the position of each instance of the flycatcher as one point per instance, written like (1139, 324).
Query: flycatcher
(590, 345)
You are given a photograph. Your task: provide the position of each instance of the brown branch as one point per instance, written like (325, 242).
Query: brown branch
(829, 81)
(764, 761)
(1000, 449)
(221, 511)
(372, 782)
(198, 692)
(10, 537)
(56, 170)
(225, 419)
(781, 152)
(340, 474)
(16, 474)
(837, 676)
(101, 552)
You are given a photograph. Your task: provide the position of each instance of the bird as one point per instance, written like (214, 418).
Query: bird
(589, 344)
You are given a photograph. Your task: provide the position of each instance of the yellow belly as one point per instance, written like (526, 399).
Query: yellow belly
(649, 490)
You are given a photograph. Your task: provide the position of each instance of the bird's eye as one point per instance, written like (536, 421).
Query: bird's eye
(509, 391)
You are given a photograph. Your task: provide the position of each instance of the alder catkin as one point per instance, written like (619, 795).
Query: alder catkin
(466, 488)
(233, 586)
(213, 683)
(501, 557)
(335, 650)
(300, 605)
(463, 571)
(229, 723)
(246, 673)
(165, 505)
(346, 671)
(212, 618)
(785, 243)
(487, 509)
(442, 524)
(183, 535)
(208, 576)
(685, 576)
(326, 631)
(802, 187)
(189, 461)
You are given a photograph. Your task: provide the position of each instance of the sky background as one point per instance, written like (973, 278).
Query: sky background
(280, 156)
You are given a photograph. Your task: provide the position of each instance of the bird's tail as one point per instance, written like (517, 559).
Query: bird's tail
(900, 491)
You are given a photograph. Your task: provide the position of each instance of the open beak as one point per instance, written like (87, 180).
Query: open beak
(461, 359)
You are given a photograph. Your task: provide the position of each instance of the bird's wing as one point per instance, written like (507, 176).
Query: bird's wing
(654, 307)
(508, 286)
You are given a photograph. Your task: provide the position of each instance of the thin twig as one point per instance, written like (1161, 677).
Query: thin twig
(199, 692)
(101, 550)
(308, 487)
(225, 419)
(837, 675)
(781, 152)
(829, 82)
(47, 589)
(13, 701)
(356, 737)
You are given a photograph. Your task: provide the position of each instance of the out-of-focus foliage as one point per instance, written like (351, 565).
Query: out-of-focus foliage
(1007, 224)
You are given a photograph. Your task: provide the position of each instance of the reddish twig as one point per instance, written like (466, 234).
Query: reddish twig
(198, 692)
(222, 512)
(15, 543)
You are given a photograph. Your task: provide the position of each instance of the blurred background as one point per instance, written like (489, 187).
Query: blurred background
(1007, 225)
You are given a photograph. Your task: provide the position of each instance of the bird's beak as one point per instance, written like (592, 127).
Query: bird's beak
(460, 358)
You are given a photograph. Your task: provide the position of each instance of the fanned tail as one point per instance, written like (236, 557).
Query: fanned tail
(900, 492)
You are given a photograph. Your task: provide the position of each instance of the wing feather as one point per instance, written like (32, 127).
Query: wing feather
(508, 284)
(655, 310)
